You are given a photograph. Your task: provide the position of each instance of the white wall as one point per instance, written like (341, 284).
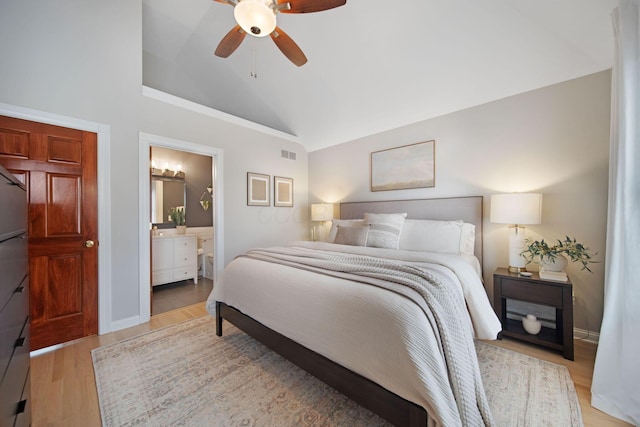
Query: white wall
(553, 140)
(83, 59)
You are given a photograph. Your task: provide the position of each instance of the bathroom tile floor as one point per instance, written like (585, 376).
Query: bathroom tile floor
(179, 294)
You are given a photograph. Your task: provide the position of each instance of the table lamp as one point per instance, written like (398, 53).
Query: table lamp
(320, 212)
(516, 209)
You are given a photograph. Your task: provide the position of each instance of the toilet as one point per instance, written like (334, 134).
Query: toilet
(205, 256)
(208, 262)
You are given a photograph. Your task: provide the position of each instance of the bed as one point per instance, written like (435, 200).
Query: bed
(340, 311)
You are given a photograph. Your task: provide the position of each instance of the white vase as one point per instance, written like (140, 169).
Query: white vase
(531, 324)
(181, 229)
(559, 263)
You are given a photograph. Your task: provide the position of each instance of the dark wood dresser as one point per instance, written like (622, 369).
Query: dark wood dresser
(14, 304)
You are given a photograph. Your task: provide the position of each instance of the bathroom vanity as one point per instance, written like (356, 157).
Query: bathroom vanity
(174, 258)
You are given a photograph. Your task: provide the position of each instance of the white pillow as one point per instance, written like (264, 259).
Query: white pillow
(354, 236)
(468, 239)
(342, 223)
(384, 229)
(425, 235)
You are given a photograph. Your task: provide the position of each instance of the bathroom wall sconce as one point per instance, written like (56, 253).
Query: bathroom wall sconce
(179, 172)
(155, 170)
(171, 174)
(166, 170)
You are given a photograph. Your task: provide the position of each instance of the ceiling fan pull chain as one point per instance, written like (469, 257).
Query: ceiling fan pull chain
(254, 72)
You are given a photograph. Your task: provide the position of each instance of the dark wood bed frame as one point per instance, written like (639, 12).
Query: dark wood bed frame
(388, 405)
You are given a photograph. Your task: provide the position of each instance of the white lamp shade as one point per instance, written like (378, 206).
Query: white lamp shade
(321, 212)
(516, 208)
(255, 17)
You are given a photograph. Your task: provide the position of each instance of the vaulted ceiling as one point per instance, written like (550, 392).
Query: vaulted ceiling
(374, 65)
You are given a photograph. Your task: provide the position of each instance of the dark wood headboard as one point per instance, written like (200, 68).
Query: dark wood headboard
(468, 209)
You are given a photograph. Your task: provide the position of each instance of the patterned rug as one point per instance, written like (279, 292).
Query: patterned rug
(185, 375)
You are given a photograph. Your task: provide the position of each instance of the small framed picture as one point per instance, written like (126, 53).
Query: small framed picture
(258, 189)
(282, 191)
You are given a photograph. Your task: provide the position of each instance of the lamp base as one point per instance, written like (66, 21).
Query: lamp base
(516, 269)
(517, 262)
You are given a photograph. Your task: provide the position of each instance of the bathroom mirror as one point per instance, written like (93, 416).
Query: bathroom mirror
(166, 193)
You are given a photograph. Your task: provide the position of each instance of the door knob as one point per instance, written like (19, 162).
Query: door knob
(89, 243)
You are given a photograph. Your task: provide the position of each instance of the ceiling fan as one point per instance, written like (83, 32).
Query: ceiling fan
(258, 18)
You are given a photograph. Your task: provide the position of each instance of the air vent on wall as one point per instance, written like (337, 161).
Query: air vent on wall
(288, 154)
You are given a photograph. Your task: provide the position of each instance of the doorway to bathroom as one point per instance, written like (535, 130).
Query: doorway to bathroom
(181, 198)
(180, 216)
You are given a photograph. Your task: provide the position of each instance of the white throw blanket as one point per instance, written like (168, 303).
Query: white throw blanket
(465, 267)
(445, 310)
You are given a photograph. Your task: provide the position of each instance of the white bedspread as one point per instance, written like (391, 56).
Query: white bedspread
(379, 334)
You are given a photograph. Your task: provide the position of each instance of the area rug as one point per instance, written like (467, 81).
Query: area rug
(185, 375)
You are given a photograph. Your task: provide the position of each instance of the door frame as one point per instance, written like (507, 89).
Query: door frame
(146, 142)
(103, 131)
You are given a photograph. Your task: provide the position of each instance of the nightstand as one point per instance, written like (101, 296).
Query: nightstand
(532, 289)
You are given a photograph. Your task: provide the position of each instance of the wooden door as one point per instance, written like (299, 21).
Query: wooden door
(59, 168)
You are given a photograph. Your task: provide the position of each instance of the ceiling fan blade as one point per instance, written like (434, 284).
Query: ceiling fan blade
(230, 42)
(308, 6)
(290, 49)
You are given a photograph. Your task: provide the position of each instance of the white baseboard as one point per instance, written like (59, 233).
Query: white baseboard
(125, 323)
(586, 335)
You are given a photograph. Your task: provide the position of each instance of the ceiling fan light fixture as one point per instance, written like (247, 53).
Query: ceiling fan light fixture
(255, 17)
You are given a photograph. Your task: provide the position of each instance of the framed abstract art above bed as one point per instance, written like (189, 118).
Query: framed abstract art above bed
(406, 167)
(385, 312)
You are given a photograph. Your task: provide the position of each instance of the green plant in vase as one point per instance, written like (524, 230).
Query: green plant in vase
(557, 254)
(177, 216)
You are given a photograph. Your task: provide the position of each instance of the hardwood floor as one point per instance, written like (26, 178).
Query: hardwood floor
(180, 294)
(63, 383)
(64, 391)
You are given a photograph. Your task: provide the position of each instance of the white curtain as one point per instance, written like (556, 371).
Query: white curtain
(616, 377)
